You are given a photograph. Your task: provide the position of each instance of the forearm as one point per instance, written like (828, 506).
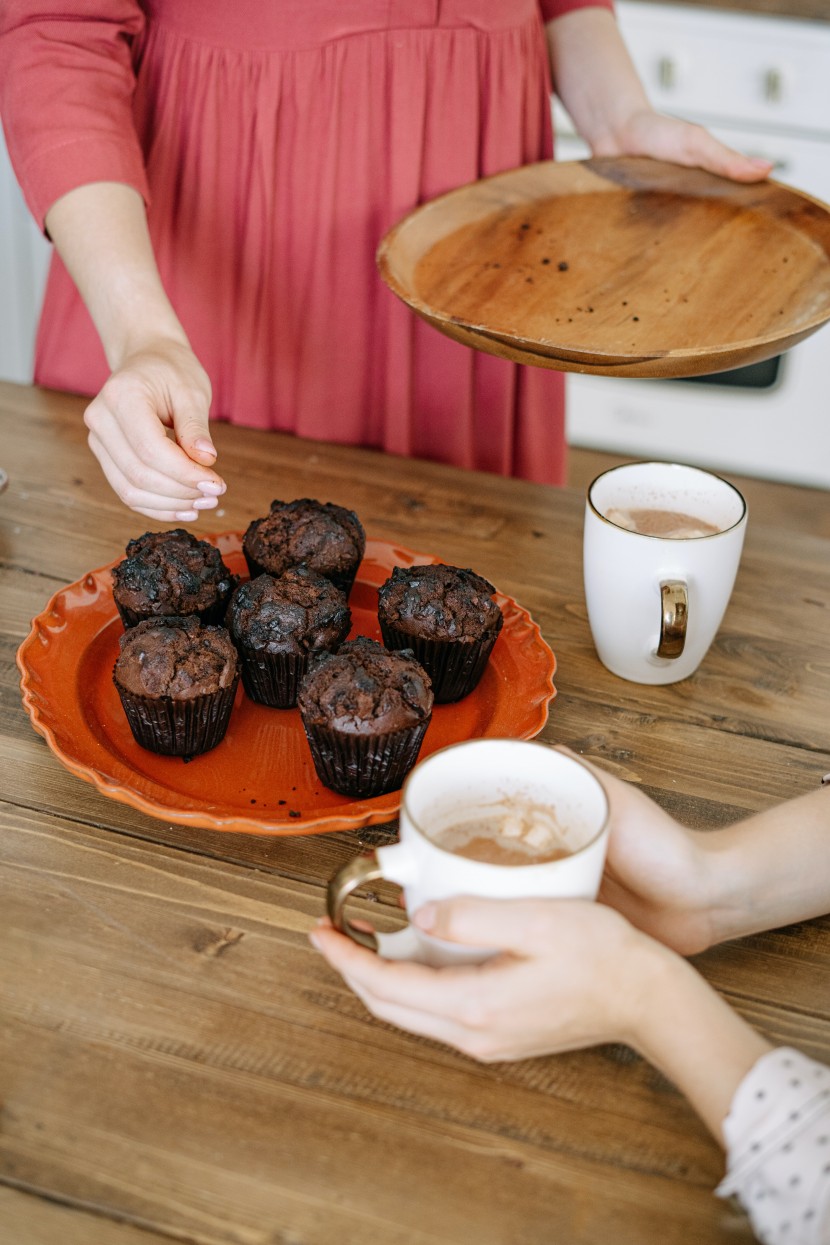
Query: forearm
(593, 74)
(684, 1028)
(100, 232)
(772, 869)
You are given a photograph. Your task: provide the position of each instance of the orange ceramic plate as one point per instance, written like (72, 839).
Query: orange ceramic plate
(260, 779)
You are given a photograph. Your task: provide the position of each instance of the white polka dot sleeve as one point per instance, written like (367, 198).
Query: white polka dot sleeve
(778, 1149)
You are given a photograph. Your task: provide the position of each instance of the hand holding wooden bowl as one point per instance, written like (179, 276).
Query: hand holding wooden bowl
(617, 267)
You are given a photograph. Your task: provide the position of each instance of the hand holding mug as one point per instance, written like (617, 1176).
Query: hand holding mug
(497, 818)
(569, 974)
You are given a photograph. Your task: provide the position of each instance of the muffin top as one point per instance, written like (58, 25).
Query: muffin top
(364, 689)
(439, 603)
(325, 537)
(300, 612)
(178, 657)
(170, 573)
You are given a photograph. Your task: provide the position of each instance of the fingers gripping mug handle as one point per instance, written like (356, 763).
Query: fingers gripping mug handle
(674, 615)
(357, 872)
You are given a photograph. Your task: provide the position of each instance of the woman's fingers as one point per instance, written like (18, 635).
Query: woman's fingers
(520, 926)
(702, 150)
(192, 431)
(649, 133)
(451, 1005)
(130, 413)
(393, 981)
(135, 476)
(148, 471)
(573, 988)
(163, 508)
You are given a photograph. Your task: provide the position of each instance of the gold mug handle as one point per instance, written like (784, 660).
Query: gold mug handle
(674, 615)
(357, 872)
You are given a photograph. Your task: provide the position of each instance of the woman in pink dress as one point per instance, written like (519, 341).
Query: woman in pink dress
(216, 178)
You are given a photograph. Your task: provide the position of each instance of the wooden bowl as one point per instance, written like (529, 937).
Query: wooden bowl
(617, 267)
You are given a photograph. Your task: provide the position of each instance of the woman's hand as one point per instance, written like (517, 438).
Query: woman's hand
(645, 132)
(657, 873)
(159, 386)
(157, 383)
(595, 78)
(691, 889)
(571, 974)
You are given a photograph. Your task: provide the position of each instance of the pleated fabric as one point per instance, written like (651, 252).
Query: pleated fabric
(280, 143)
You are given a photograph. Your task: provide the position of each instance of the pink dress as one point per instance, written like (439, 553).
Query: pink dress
(274, 144)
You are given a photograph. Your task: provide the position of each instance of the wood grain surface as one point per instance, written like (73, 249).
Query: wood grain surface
(623, 266)
(177, 1064)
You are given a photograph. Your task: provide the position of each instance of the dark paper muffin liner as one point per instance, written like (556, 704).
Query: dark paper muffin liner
(212, 614)
(454, 666)
(180, 728)
(362, 766)
(272, 678)
(344, 580)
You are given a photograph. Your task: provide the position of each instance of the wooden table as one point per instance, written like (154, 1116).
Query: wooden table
(176, 1062)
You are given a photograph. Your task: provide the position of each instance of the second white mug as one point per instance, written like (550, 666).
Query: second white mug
(662, 544)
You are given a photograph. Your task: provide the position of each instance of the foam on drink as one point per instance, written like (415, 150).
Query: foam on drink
(669, 524)
(515, 833)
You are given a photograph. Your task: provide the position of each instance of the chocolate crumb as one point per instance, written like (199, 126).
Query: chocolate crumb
(635, 317)
(563, 265)
(295, 812)
(545, 261)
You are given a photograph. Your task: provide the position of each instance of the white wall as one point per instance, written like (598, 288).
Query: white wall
(24, 256)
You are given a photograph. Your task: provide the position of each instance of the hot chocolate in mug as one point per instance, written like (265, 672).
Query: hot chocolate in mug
(662, 543)
(494, 818)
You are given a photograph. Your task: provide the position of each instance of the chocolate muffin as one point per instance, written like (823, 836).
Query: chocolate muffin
(277, 623)
(447, 617)
(177, 678)
(171, 573)
(320, 535)
(365, 712)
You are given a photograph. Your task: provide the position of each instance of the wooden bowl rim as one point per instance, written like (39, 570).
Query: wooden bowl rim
(575, 355)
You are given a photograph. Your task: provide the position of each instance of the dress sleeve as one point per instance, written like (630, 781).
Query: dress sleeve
(66, 89)
(558, 8)
(778, 1149)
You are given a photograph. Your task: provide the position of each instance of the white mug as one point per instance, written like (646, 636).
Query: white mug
(655, 602)
(459, 779)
